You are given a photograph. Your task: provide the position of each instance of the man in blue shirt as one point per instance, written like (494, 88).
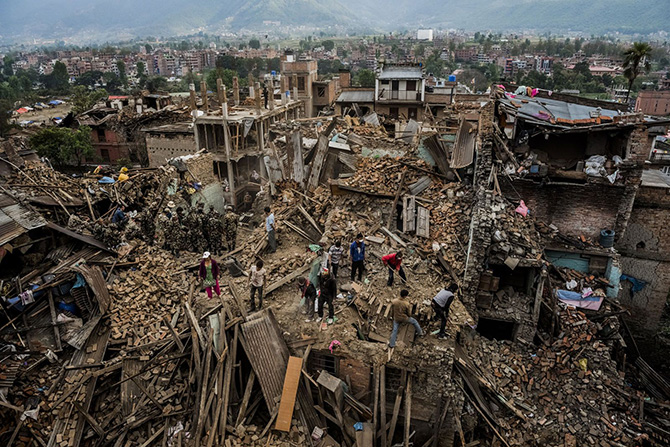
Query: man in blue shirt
(119, 216)
(270, 229)
(357, 252)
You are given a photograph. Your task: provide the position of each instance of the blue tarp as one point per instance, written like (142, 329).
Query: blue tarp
(106, 180)
(575, 296)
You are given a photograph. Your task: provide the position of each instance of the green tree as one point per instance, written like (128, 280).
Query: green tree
(148, 47)
(365, 78)
(83, 99)
(90, 78)
(62, 145)
(156, 83)
(5, 113)
(58, 80)
(141, 69)
(112, 82)
(7, 69)
(636, 62)
(255, 44)
(121, 66)
(225, 74)
(328, 45)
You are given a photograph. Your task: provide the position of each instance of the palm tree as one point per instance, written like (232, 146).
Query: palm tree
(636, 61)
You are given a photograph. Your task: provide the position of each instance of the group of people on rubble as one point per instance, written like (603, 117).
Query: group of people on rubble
(198, 230)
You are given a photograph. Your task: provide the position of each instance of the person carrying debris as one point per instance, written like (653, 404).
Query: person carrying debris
(256, 282)
(317, 266)
(441, 304)
(328, 291)
(357, 252)
(335, 254)
(230, 228)
(270, 229)
(393, 262)
(209, 274)
(308, 293)
(402, 314)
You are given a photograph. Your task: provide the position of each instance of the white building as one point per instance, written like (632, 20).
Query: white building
(425, 34)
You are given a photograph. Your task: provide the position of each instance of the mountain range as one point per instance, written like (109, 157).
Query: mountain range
(100, 20)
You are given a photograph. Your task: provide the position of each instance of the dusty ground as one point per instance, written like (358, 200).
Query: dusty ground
(45, 115)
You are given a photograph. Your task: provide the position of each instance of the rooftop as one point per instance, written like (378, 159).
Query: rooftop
(401, 72)
(356, 96)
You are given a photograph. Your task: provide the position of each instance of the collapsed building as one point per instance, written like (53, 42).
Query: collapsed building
(519, 200)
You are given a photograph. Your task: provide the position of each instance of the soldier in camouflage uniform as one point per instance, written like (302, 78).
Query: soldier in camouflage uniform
(230, 221)
(214, 231)
(193, 230)
(175, 239)
(161, 226)
(202, 244)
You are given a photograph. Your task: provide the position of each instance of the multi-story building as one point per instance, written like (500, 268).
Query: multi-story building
(399, 91)
(653, 102)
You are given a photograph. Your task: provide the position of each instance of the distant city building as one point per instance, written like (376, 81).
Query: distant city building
(425, 34)
(653, 102)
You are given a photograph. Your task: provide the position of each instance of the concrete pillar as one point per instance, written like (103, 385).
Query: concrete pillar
(283, 82)
(258, 98)
(224, 103)
(308, 96)
(271, 94)
(219, 90)
(193, 104)
(203, 94)
(236, 91)
(295, 86)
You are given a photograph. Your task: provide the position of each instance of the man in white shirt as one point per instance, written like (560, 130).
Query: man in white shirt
(270, 229)
(441, 304)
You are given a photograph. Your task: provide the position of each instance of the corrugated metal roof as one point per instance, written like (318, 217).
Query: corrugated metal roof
(268, 354)
(545, 109)
(9, 229)
(393, 72)
(356, 96)
(464, 148)
(87, 239)
(6, 200)
(28, 219)
(655, 179)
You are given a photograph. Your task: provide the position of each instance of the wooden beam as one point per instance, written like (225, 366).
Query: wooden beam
(397, 196)
(382, 402)
(408, 408)
(94, 424)
(174, 334)
(245, 399)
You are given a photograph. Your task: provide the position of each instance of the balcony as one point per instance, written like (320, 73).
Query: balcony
(399, 95)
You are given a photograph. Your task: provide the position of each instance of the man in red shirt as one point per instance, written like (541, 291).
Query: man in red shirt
(392, 261)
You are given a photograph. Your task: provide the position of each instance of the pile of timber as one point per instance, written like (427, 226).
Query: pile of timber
(383, 175)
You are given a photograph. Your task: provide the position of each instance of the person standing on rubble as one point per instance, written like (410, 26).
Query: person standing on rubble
(212, 232)
(402, 314)
(441, 304)
(270, 229)
(266, 95)
(393, 262)
(194, 235)
(308, 293)
(328, 291)
(230, 228)
(174, 236)
(357, 252)
(256, 282)
(209, 274)
(335, 255)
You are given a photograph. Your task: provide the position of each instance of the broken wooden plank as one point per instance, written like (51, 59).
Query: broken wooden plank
(288, 278)
(289, 393)
(397, 196)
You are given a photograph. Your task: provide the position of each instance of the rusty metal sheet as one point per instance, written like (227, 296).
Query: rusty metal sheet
(464, 147)
(9, 229)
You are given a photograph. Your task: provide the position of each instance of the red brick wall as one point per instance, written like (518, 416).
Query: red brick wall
(359, 374)
(575, 210)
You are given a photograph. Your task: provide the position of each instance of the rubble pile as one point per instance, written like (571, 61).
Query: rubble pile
(152, 289)
(382, 175)
(568, 390)
(514, 235)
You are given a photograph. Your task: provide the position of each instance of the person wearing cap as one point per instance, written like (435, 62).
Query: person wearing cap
(393, 262)
(402, 314)
(256, 282)
(328, 291)
(308, 293)
(441, 304)
(335, 254)
(209, 274)
(270, 229)
(357, 252)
